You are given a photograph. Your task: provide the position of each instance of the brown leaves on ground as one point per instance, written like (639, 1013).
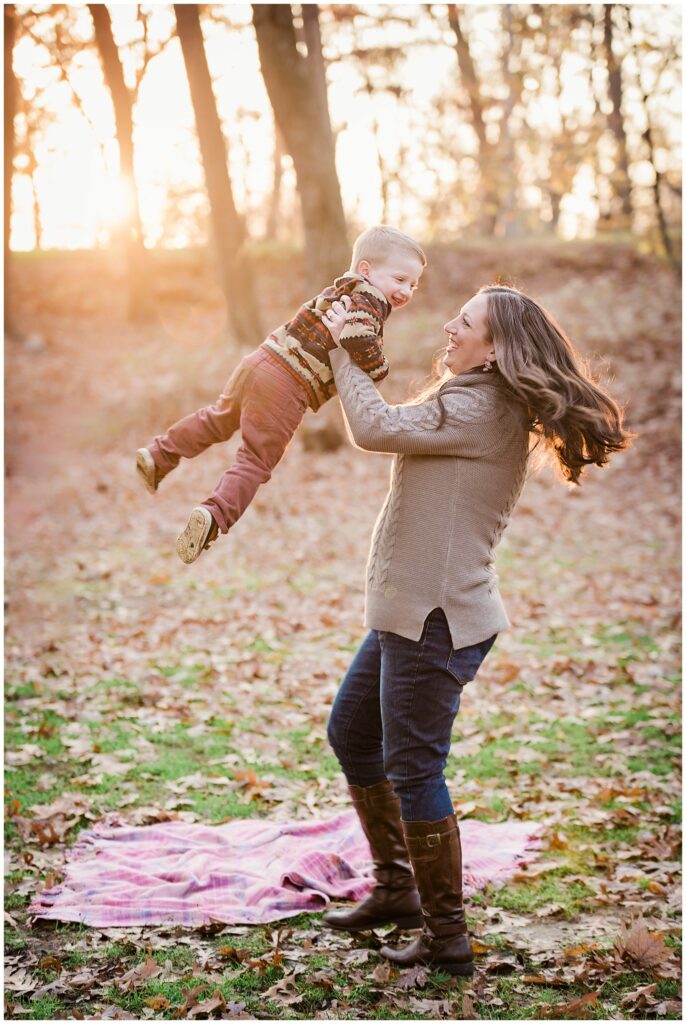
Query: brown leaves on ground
(413, 977)
(645, 1000)
(285, 990)
(138, 975)
(641, 949)
(576, 1009)
(106, 629)
(50, 823)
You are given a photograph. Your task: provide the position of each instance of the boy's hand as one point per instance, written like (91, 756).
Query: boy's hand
(335, 317)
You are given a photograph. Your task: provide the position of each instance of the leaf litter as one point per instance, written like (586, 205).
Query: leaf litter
(578, 704)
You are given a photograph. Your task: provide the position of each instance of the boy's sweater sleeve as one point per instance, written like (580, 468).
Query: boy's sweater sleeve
(363, 330)
(412, 429)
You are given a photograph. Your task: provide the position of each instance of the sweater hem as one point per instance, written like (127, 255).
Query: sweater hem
(315, 400)
(402, 616)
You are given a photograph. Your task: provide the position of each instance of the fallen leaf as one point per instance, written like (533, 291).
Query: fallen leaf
(19, 980)
(357, 956)
(503, 965)
(480, 948)
(468, 1011)
(137, 975)
(642, 948)
(642, 998)
(50, 963)
(215, 1002)
(284, 991)
(158, 1002)
(577, 1008)
(669, 1006)
(415, 977)
(382, 972)
(579, 950)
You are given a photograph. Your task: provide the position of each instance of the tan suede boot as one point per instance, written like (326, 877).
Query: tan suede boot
(201, 530)
(436, 856)
(394, 899)
(148, 473)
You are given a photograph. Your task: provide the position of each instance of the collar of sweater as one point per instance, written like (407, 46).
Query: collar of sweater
(350, 278)
(471, 377)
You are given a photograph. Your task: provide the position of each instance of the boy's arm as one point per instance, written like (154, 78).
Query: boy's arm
(362, 332)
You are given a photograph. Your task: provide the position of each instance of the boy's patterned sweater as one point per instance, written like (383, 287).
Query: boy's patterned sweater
(303, 344)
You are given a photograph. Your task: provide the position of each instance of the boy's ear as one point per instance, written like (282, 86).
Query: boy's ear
(363, 267)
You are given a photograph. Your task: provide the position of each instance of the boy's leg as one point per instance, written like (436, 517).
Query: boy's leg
(194, 433)
(272, 406)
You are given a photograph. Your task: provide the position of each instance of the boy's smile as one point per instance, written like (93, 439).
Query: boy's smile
(397, 276)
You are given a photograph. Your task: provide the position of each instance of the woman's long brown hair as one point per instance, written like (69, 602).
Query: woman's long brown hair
(576, 420)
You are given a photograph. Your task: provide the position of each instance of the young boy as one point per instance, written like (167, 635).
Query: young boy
(270, 390)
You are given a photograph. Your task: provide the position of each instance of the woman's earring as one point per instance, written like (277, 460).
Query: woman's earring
(488, 366)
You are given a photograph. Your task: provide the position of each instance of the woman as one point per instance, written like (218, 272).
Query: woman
(432, 601)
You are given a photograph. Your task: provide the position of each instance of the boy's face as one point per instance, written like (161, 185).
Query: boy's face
(397, 276)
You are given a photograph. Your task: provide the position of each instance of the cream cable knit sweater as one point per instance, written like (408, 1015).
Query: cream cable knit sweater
(452, 491)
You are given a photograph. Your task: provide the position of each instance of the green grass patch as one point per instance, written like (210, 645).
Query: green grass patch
(114, 685)
(186, 675)
(528, 897)
(483, 763)
(45, 1008)
(21, 691)
(656, 760)
(13, 940)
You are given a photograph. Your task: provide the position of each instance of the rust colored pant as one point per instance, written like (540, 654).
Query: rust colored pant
(264, 402)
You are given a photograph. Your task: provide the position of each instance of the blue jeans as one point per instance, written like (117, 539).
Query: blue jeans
(394, 712)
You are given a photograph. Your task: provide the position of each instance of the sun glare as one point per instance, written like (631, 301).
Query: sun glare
(79, 198)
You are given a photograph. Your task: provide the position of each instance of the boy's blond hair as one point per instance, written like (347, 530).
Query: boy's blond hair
(375, 243)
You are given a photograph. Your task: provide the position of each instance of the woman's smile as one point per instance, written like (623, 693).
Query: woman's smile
(469, 344)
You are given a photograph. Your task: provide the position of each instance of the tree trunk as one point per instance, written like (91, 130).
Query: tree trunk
(315, 61)
(141, 306)
(487, 155)
(37, 225)
(297, 91)
(564, 152)
(620, 182)
(506, 171)
(228, 228)
(10, 106)
(273, 216)
(670, 250)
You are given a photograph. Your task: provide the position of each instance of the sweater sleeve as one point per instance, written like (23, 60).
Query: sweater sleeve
(377, 426)
(363, 330)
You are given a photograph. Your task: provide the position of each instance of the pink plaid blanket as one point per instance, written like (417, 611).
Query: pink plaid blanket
(245, 872)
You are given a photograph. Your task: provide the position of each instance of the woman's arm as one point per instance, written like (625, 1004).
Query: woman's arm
(413, 429)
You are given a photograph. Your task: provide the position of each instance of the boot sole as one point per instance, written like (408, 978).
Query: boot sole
(456, 969)
(190, 544)
(460, 970)
(145, 468)
(401, 922)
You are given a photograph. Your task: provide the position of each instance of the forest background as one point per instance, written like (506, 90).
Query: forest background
(178, 178)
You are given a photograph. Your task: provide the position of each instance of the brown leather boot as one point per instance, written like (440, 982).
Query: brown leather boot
(436, 856)
(394, 899)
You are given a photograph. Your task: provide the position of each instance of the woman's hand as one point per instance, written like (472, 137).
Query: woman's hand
(335, 317)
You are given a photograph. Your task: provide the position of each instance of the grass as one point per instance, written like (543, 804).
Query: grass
(567, 747)
(528, 897)
(521, 765)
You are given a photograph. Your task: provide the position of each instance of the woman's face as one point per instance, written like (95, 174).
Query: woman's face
(468, 343)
